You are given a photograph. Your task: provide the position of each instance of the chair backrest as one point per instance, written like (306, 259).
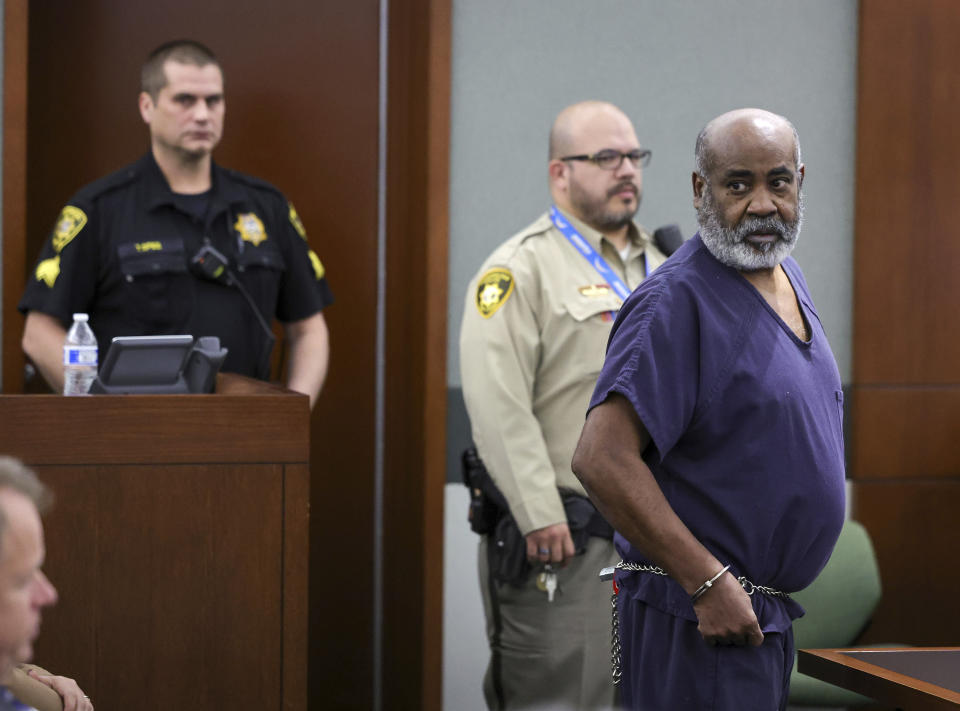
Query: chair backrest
(840, 602)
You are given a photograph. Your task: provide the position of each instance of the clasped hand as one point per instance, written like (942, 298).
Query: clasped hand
(726, 615)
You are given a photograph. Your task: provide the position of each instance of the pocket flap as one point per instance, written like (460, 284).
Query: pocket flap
(264, 255)
(582, 308)
(163, 256)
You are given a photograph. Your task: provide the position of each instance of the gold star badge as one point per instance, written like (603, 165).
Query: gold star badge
(250, 228)
(493, 289)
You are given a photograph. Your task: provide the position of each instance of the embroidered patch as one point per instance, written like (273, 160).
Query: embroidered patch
(317, 265)
(48, 270)
(250, 228)
(493, 289)
(595, 290)
(296, 222)
(71, 221)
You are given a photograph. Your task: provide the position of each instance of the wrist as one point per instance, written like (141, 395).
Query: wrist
(707, 584)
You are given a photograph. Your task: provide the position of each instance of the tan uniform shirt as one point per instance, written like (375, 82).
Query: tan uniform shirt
(535, 327)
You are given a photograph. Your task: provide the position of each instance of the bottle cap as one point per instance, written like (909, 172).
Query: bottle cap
(80, 317)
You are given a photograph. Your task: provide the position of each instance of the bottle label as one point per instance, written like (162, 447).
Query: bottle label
(80, 355)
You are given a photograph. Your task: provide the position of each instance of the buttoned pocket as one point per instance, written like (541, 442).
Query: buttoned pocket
(159, 287)
(260, 269)
(585, 331)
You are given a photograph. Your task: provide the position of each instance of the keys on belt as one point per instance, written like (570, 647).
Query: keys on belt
(547, 582)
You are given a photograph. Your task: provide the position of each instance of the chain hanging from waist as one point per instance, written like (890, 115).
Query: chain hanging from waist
(749, 587)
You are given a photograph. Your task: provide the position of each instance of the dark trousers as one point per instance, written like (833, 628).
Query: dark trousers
(667, 666)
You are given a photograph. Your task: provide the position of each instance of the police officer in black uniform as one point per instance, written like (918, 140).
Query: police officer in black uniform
(175, 243)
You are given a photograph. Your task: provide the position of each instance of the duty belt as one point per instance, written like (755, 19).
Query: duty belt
(749, 587)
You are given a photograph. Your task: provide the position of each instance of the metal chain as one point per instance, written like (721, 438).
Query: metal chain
(747, 586)
(616, 648)
(751, 588)
(615, 642)
(641, 568)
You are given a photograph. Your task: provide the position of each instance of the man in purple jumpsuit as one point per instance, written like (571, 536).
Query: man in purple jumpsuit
(714, 440)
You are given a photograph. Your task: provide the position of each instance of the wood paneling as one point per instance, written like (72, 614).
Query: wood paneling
(182, 571)
(905, 433)
(914, 529)
(14, 189)
(906, 390)
(907, 256)
(106, 437)
(416, 339)
(302, 112)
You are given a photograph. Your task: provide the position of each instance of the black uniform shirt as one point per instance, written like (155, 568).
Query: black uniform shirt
(121, 252)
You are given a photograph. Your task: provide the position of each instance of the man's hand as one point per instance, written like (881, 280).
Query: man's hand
(726, 615)
(551, 544)
(73, 697)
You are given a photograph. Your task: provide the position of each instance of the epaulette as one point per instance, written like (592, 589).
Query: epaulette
(252, 181)
(106, 184)
(539, 227)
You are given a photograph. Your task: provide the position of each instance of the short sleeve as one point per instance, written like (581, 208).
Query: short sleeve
(653, 360)
(64, 279)
(304, 290)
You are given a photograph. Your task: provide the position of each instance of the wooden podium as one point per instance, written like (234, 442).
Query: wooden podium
(178, 542)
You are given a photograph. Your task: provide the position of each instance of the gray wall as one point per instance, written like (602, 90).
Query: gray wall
(671, 65)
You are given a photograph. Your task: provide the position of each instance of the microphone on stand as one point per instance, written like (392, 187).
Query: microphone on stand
(668, 238)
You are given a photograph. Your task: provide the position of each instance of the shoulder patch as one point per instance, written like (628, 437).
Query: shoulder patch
(48, 270)
(296, 221)
(318, 269)
(493, 289)
(71, 221)
(251, 228)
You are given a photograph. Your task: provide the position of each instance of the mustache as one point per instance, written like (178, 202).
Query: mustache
(759, 225)
(623, 185)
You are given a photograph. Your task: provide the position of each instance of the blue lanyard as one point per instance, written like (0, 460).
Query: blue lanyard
(589, 253)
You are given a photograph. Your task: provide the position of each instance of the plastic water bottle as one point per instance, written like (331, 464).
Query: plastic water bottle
(79, 357)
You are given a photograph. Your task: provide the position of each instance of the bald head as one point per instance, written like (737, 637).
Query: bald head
(578, 122)
(603, 192)
(746, 189)
(732, 130)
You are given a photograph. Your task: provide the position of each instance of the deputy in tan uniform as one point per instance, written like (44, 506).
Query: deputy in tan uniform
(535, 326)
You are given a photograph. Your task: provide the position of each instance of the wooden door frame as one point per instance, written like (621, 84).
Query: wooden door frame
(14, 261)
(414, 395)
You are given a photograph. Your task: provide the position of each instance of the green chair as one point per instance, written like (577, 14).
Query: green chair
(839, 604)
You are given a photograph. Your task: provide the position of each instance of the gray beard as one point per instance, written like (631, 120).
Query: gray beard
(727, 243)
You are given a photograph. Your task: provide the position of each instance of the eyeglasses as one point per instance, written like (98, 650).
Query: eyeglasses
(609, 159)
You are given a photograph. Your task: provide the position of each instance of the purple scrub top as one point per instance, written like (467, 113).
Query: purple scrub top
(745, 421)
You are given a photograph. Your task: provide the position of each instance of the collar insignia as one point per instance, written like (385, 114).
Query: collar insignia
(493, 289)
(250, 228)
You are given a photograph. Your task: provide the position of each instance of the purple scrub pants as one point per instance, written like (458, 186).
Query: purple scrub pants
(667, 666)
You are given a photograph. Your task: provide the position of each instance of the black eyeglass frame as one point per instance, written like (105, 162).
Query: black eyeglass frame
(639, 157)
